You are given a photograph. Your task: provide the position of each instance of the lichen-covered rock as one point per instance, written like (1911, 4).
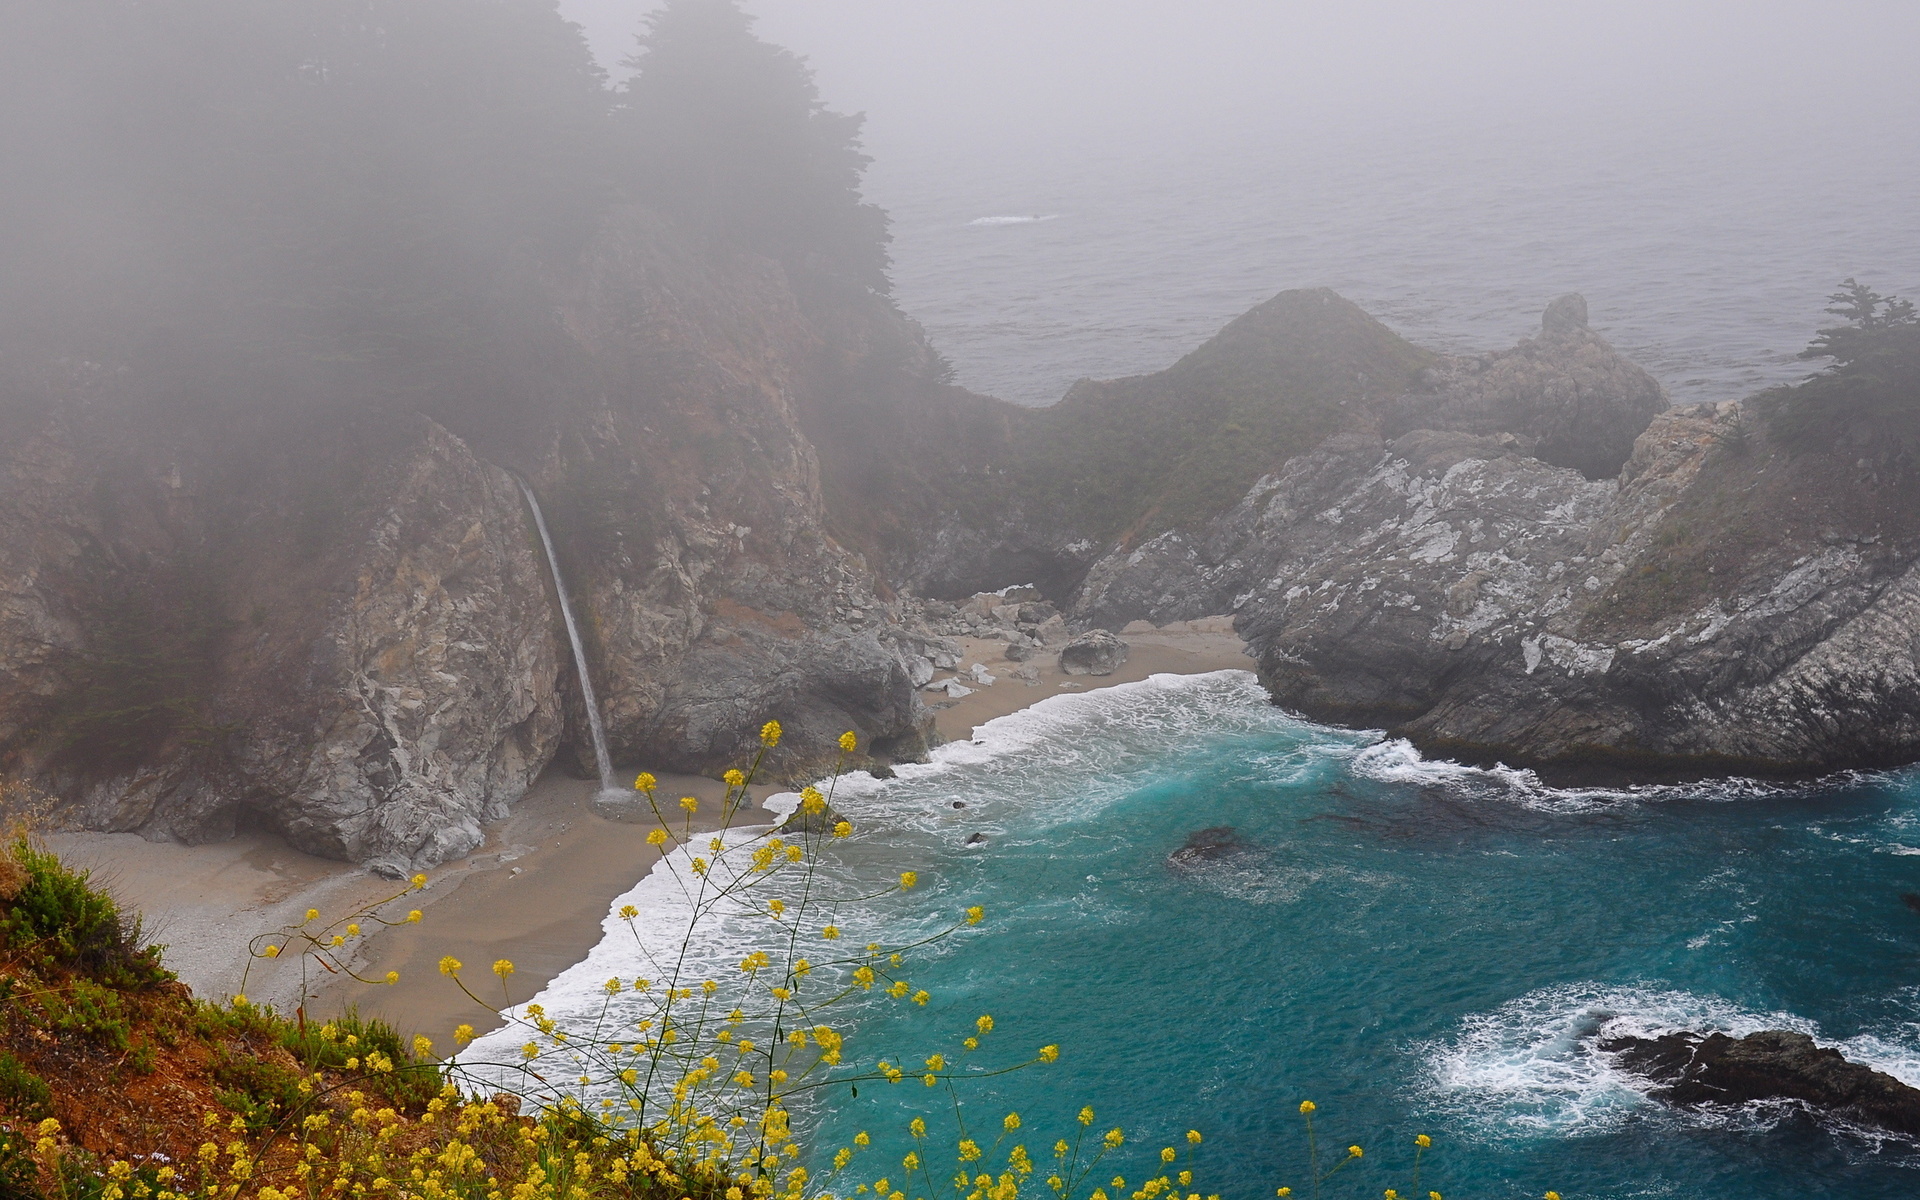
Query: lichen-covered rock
(1095, 652)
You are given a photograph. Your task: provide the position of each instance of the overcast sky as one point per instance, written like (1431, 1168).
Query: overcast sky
(975, 71)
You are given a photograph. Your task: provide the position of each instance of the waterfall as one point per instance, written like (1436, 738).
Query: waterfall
(579, 653)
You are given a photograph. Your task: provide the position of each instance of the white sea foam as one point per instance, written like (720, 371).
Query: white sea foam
(1395, 760)
(1533, 1065)
(1020, 220)
(1077, 740)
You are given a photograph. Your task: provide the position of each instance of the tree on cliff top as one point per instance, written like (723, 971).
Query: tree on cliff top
(729, 132)
(1867, 402)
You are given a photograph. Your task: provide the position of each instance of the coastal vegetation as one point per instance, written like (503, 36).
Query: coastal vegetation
(1866, 403)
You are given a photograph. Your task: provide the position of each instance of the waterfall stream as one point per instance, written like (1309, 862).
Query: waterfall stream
(579, 653)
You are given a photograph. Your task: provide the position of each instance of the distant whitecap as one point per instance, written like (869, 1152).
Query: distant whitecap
(1014, 220)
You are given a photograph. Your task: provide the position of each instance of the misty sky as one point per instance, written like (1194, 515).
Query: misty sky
(976, 71)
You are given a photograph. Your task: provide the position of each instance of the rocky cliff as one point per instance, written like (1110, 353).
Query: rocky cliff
(342, 626)
(1526, 559)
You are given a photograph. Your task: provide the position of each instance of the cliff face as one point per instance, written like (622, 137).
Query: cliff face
(1475, 574)
(352, 637)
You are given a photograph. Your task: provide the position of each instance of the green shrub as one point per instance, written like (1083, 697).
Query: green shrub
(62, 920)
(24, 1092)
(92, 1011)
(17, 1172)
(261, 1092)
(352, 1038)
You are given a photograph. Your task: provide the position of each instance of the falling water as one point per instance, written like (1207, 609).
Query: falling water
(579, 653)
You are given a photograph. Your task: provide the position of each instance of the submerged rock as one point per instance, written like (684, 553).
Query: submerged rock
(1095, 652)
(1215, 844)
(1774, 1064)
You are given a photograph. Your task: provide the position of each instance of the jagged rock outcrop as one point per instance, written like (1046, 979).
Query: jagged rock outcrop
(1718, 606)
(1693, 1069)
(1567, 397)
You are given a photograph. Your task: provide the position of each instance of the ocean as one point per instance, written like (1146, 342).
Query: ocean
(1415, 946)
(1706, 250)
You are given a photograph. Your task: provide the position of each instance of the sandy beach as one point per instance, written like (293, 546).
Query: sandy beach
(535, 893)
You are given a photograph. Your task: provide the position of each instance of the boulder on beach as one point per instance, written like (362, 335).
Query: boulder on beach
(1694, 1069)
(1095, 652)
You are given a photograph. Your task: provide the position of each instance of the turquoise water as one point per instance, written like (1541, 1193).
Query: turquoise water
(1417, 947)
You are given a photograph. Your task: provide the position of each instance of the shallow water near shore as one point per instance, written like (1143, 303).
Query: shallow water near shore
(1417, 947)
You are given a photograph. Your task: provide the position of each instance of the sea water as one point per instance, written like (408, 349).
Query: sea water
(1706, 249)
(1417, 947)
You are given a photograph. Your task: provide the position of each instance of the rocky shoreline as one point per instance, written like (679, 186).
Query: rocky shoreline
(1522, 556)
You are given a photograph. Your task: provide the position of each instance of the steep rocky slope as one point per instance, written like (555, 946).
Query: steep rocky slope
(1471, 573)
(343, 627)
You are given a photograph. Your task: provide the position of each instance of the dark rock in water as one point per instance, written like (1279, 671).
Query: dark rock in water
(959, 803)
(976, 839)
(1774, 1064)
(1217, 843)
(1095, 652)
(1912, 900)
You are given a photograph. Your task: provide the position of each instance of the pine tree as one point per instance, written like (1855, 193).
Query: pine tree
(729, 132)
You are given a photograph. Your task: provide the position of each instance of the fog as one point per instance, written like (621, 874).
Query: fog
(970, 73)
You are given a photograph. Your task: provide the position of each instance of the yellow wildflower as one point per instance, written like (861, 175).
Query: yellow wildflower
(644, 782)
(770, 734)
(413, 917)
(1423, 1141)
(1086, 1115)
(917, 1127)
(1168, 1154)
(1307, 1106)
(1193, 1135)
(657, 838)
(422, 1045)
(628, 912)
(393, 977)
(1354, 1152)
(313, 914)
(1052, 1054)
(843, 829)
(985, 1025)
(450, 965)
(462, 1034)
(1114, 1138)
(734, 778)
(502, 967)
(908, 879)
(270, 952)
(830, 932)
(418, 881)
(848, 741)
(690, 803)
(1011, 1123)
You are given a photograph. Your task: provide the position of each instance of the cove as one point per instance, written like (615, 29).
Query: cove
(1417, 947)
